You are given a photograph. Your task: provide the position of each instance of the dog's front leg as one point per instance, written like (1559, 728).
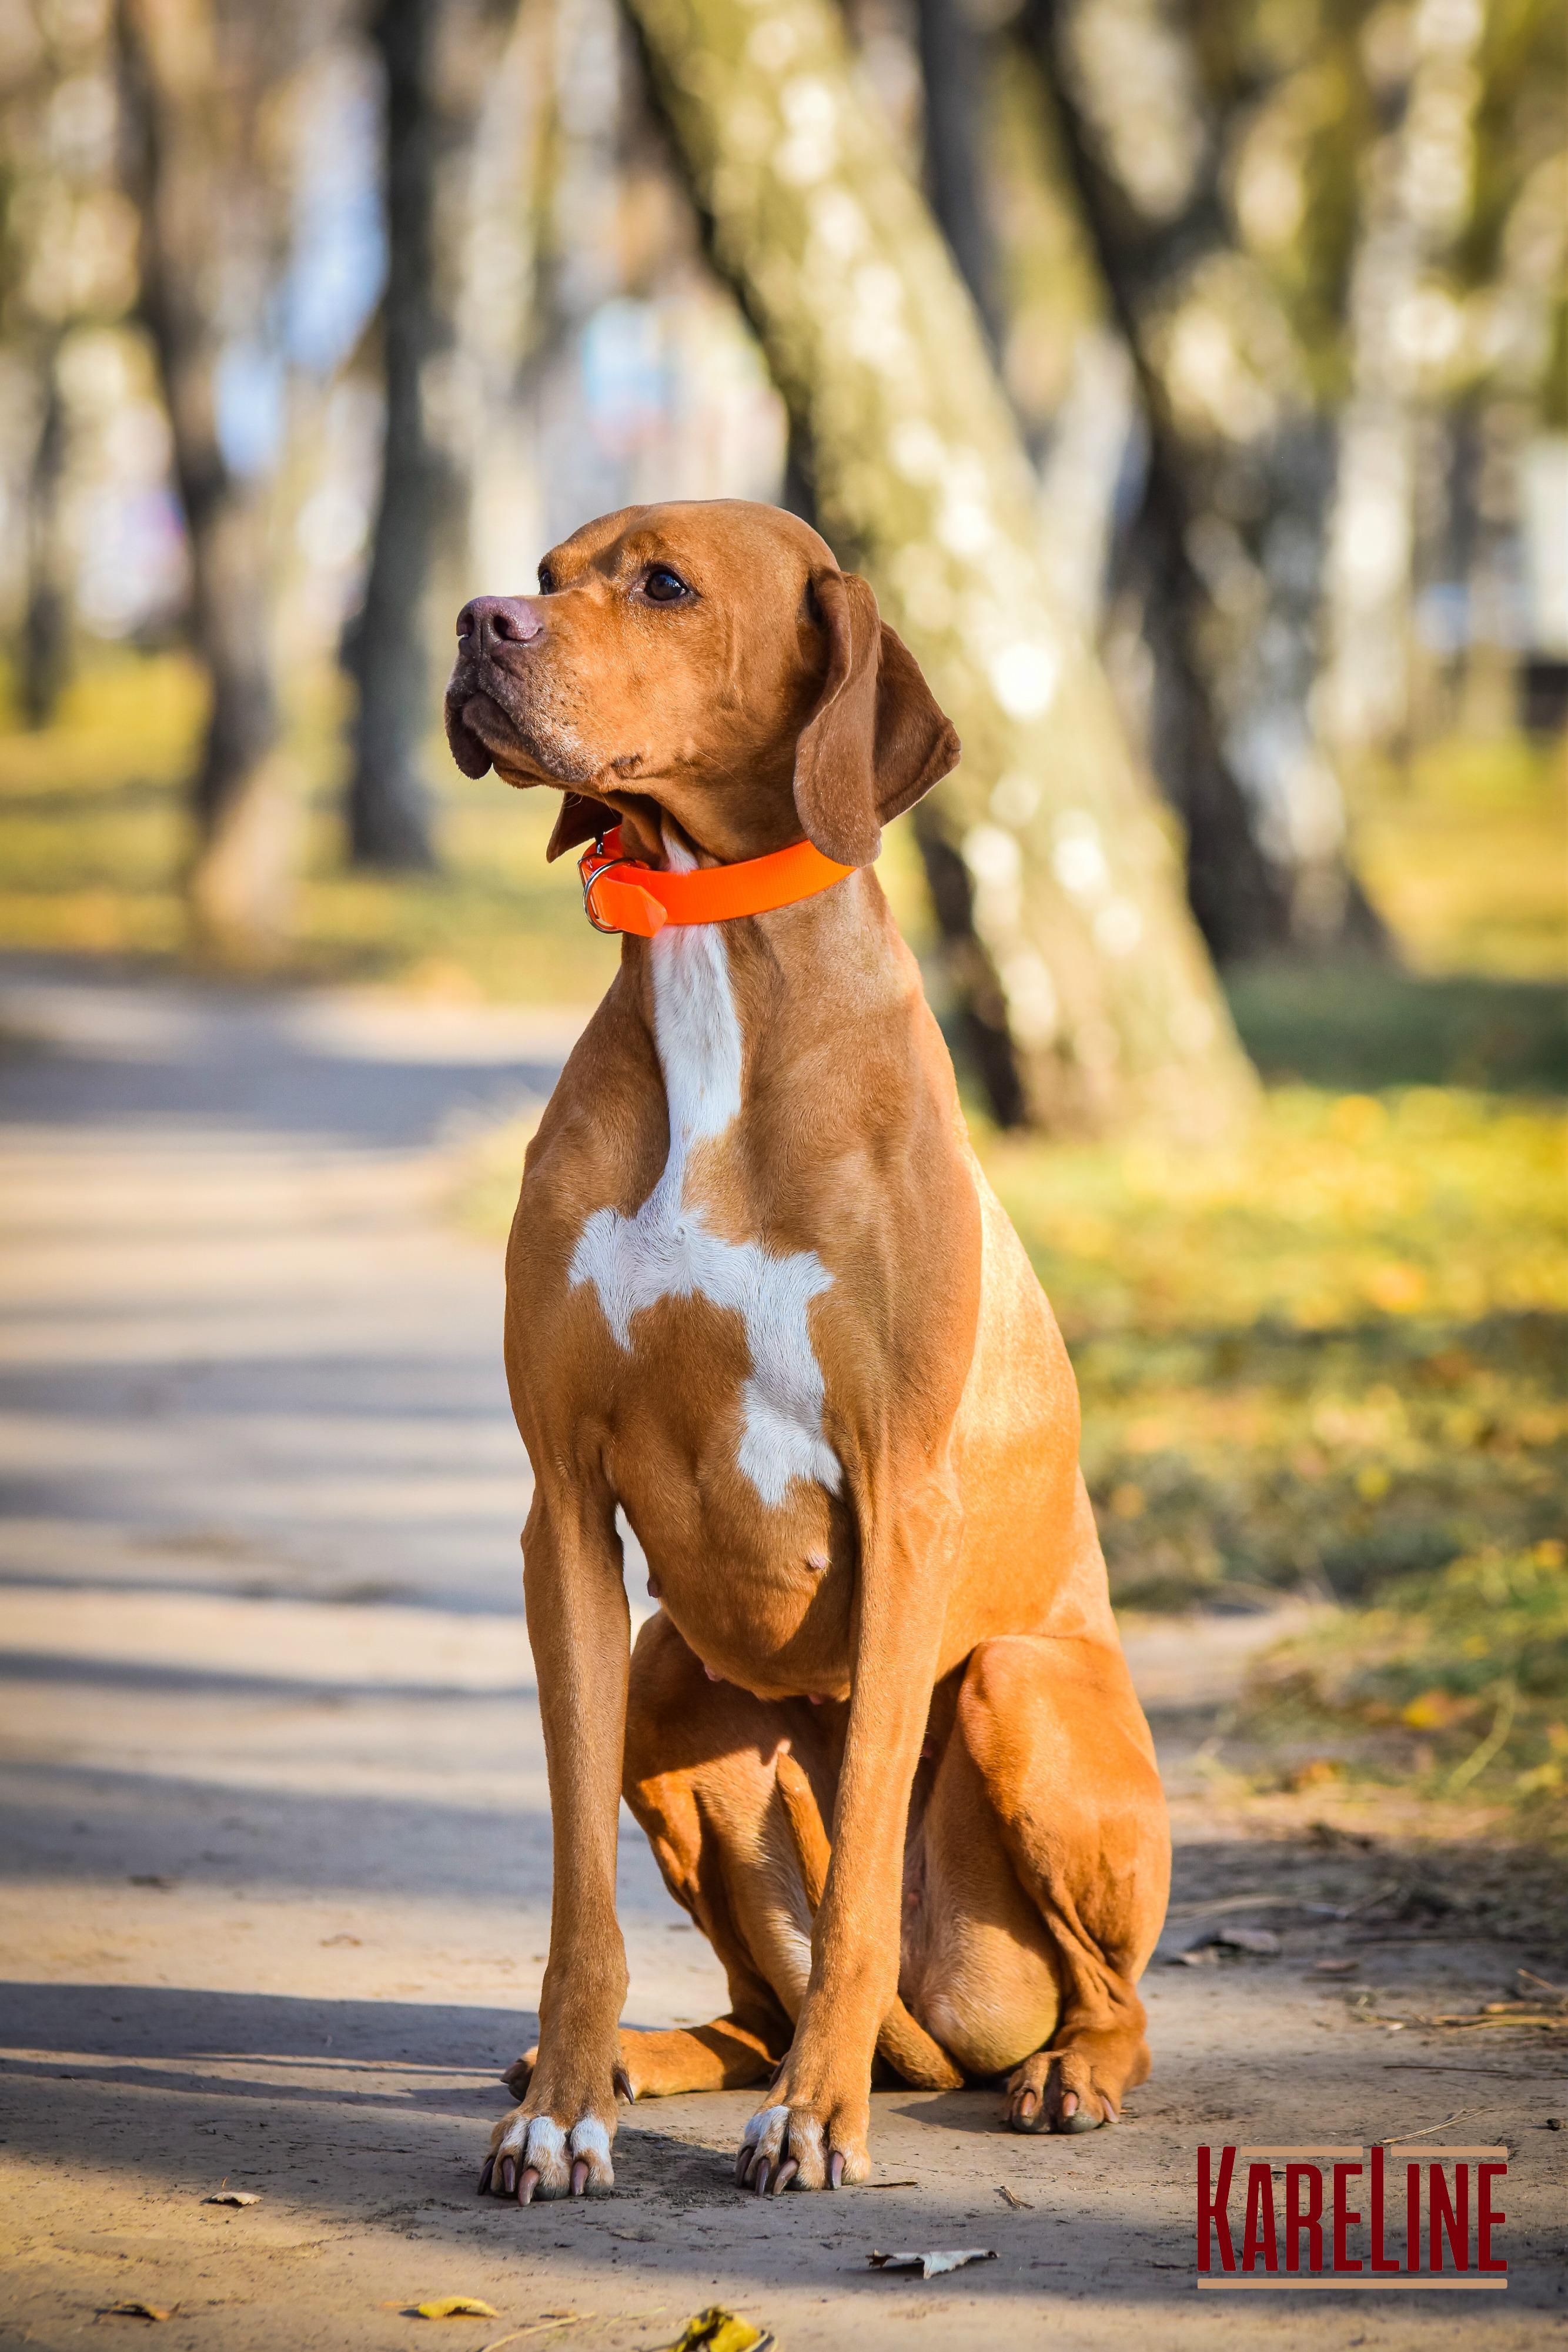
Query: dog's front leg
(812, 2133)
(557, 2142)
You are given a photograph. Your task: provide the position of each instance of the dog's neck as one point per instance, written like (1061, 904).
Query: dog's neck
(696, 1026)
(726, 1003)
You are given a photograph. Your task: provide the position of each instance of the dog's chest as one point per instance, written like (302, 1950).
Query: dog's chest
(669, 1249)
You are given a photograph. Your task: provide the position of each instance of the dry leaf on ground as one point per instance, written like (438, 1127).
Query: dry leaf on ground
(932, 2265)
(455, 2306)
(719, 2330)
(136, 2311)
(233, 2196)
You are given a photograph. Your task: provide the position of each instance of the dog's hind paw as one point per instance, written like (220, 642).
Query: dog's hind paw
(520, 2073)
(1058, 2091)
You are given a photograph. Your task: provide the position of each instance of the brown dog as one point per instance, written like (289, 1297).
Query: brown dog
(761, 1295)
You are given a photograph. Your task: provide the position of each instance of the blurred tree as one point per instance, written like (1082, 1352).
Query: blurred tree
(1224, 559)
(955, 59)
(437, 56)
(1083, 953)
(385, 648)
(1505, 384)
(196, 77)
(1416, 180)
(44, 660)
(65, 267)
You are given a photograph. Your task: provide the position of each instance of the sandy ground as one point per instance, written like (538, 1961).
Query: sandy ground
(277, 1862)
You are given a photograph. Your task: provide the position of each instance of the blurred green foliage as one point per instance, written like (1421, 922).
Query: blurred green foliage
(1323, 1356)
(1460, 1676)
(1329, 1359)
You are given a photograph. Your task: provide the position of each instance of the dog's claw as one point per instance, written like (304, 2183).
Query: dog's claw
(621, 2080)
(759, 2177)
(787, 2172)
(508, 2176)
(743, 2163)
(484, 2189)
(527, 2182)
(580, 2177)
(835, 2170)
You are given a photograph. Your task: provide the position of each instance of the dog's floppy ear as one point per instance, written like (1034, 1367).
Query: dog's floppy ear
(876, 740)
(581, 818)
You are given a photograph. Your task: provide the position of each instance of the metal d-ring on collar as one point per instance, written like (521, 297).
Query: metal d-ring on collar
(610, 930)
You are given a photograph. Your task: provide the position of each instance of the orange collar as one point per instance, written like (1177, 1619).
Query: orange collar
(621, 895)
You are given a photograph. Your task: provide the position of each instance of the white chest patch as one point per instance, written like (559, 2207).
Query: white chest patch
(666, 1250)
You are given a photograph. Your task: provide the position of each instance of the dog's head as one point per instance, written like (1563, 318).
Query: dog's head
(709, 661)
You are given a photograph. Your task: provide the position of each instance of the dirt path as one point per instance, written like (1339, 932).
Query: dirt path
(277, 1841)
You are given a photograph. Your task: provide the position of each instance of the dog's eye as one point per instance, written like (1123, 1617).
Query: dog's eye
(547, 581)
(663, 586)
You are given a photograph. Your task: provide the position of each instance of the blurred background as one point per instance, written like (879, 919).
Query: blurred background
(1190, 377)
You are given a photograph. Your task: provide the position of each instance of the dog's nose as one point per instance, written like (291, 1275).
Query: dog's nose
(488, 621)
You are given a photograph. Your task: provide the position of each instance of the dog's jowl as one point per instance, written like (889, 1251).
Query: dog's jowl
(760, 1298)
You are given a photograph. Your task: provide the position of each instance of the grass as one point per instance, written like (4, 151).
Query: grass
(1455, 1679)
(1422, 830)
(1328, 1357)
(1331, 1360)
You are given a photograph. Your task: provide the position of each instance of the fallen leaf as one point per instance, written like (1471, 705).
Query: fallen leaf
(1335, 1968)
(135, 2311)
(1019, 2204)
(1260, 1940)
(933, 2265)
(455, 2306)
(719, 2330)
(233, 2196)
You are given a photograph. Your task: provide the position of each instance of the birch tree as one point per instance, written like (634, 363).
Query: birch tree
(437, 56)
(1415, 188)
(1226, 558)
(196, 77)
(1090, 961)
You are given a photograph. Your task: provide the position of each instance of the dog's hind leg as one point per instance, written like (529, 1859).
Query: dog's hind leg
(1069, 1776)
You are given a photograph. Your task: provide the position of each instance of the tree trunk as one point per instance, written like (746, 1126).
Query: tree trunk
(1232, 741)
(385, 648)
(1416, 181)
(953, 61)
(920, 477)
(193, 76)
(46, 622)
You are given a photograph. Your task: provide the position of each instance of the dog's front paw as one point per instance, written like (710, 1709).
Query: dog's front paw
(803, 2144)
(537, 2153)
